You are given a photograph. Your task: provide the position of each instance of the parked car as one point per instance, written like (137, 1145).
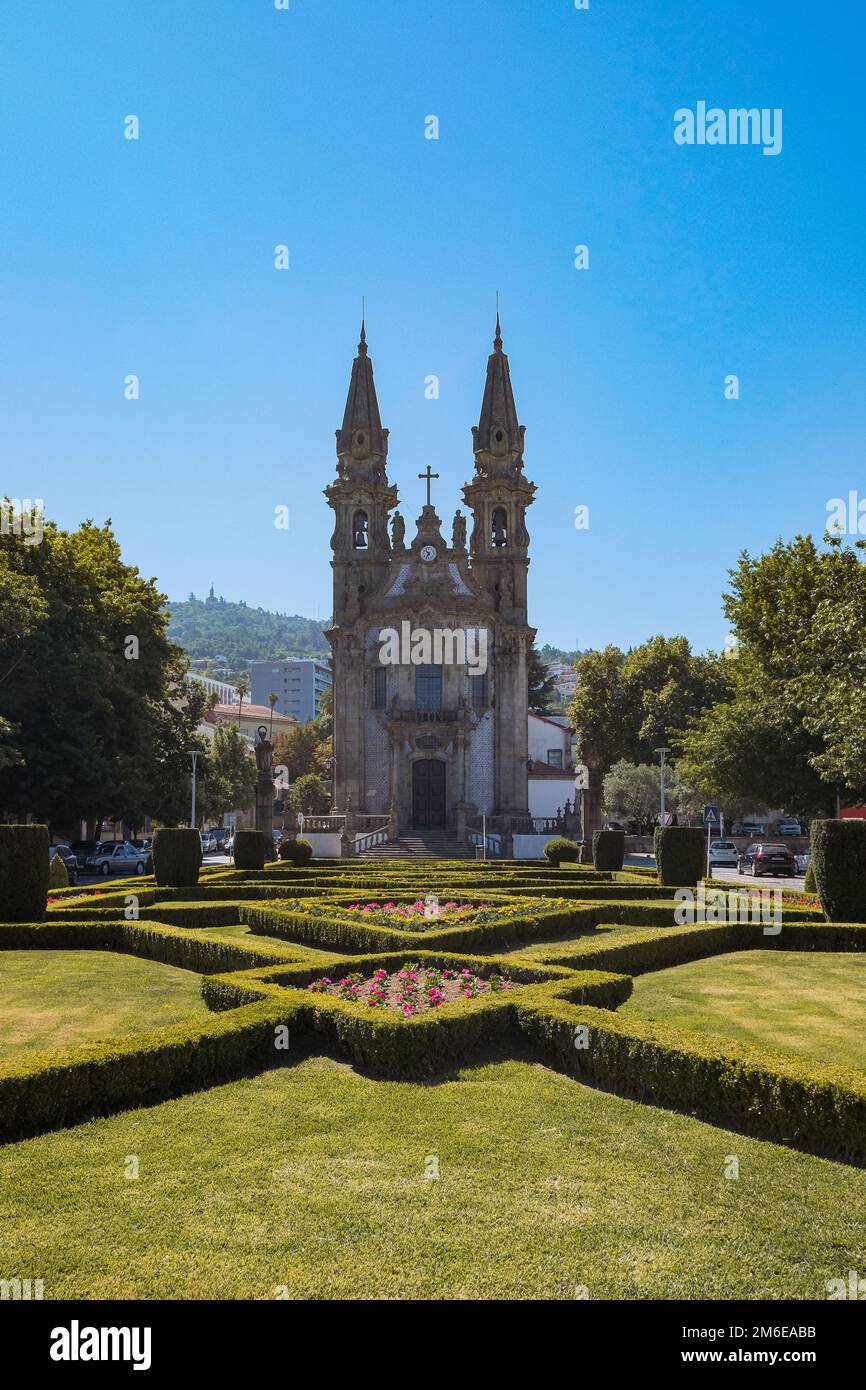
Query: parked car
(802, 861)
(82, 848)
(70, 861)
(788, 827)
(761, 859)
(114, 859)
(208, 842)
(724, 853)
(221, 836)
(750, 828)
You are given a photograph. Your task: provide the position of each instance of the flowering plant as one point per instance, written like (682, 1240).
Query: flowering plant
(412, 990)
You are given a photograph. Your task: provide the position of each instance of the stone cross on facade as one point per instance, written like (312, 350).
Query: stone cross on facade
(427, 477)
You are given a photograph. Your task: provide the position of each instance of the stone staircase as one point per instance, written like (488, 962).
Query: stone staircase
(431, 844)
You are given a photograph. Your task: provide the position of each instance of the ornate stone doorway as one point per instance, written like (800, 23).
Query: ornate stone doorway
(428, 794)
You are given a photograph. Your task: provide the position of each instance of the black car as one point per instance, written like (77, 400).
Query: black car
(82, 848)
(758, 860)
(70, 861)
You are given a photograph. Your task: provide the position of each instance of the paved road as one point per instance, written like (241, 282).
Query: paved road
(728, 875)
(94, 880)
(746, 880)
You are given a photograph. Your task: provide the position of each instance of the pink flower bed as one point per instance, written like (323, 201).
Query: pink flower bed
(412, 990)
(420, 908)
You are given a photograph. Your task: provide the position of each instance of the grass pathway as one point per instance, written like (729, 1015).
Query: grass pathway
(53, 1000)
(314, 1178)
(809, 1003)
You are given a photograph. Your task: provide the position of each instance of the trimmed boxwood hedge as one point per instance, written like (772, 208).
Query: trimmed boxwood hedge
(250, 849)
(681, 855)
(297, 852)
(811, 1105)
(608, 849)
(58, 878)
(176, 857)
(47, 1091)
(23, 872)
(561, 850)
(839, 863)
(385, 1044)
(150, 940)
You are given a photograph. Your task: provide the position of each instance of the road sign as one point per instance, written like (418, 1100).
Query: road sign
(711, 815)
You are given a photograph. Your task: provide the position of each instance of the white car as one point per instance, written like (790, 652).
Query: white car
(723, 854)
(802, 861)
(208, 842)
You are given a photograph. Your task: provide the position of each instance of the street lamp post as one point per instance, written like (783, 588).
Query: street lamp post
(193, 753)
(663, 753)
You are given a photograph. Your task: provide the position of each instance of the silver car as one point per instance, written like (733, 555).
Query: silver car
(111, 860)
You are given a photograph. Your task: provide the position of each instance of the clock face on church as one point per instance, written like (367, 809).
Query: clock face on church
(428, 552)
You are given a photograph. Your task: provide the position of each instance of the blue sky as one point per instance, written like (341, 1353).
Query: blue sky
(306, 127)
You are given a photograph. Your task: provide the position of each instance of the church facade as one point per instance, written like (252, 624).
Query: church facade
(430, 636)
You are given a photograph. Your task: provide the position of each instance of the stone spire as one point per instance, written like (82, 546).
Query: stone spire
(498, 438)
(362, 436)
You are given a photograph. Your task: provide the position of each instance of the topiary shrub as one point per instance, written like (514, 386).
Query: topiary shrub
(561, 851)
(839, 862)
(57, 875)
(809, 884)
(681, 855)
(176, 858)
(23, 872)
(608, 849)
(297, 852)
(250, 849)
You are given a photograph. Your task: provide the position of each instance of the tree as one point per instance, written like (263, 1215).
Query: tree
(303, 750)
(229, 773)
(792, 732)
(94, 692)
(541, 694)
(628, 704)
(632, 792)
(603, 723)
(242, 686)
(310, 795)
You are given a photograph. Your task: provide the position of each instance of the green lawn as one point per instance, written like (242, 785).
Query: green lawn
(312, 1177)
(810, 1003)
(53, 1000)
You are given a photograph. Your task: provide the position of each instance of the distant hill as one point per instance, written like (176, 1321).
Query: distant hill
(221, 639)
(553, 654)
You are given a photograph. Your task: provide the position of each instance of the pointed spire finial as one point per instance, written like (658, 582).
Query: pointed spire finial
(362, 434)
(497, 341)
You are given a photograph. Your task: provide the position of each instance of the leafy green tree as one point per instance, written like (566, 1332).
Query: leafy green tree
(310, 795)
(603, 721)
(93, 690)
(303, 750)
(791, 734)
(229, 775)
(631, 792)
(541, 692)
(628, 704)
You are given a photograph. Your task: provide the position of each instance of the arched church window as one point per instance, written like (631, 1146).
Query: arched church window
(360, 528)
(499, 527)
